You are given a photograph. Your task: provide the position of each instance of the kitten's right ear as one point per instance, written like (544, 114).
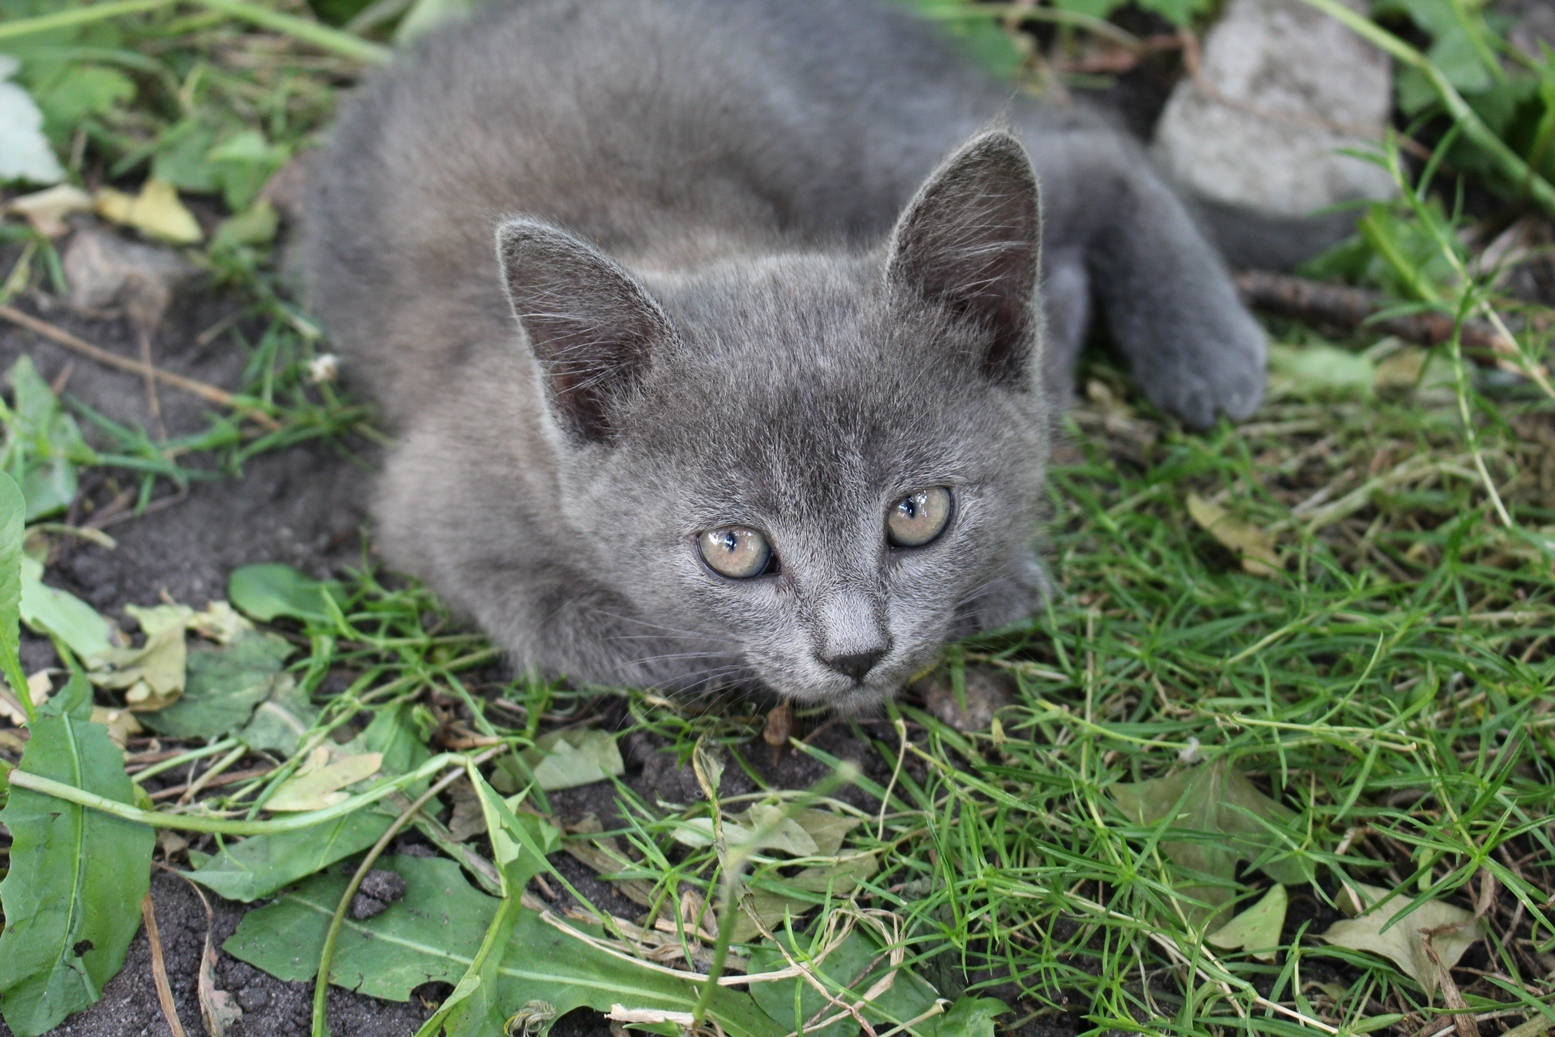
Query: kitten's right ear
(593, 328)
(970, 241)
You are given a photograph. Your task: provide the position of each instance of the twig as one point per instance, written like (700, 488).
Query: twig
(204, 390)
(159, 968)
(1316, 302)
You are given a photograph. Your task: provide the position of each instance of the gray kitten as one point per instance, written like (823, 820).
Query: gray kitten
(773, 412)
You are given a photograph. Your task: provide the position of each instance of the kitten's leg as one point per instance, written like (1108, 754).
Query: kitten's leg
(1066, 304)
(1168, 300)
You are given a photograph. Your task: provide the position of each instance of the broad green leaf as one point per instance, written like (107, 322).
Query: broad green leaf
(258, 866)
(853, 968)
(435, 931)
(968, 1017)
(567, 759)
(12, 507)
(1230, 821)
(222, 687)
(44, 444)
(274, 591)
(47, 610)
(431, 933)
(1402, 938)
(1257, 929)
(72, 897)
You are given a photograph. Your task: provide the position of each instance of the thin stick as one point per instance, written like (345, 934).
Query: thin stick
(326, 956)
(159, 967)
(153, 401)
(204, 390)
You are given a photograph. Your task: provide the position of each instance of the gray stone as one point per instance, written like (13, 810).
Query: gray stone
(105, 271)
(1281, 87)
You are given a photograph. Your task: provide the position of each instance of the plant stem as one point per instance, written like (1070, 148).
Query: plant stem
(183, 758)
(78, 16)
(327, 955)
(321, 36)
(1511, 163)
(226, 826)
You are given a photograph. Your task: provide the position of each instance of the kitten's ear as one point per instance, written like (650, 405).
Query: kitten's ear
(593, 328)
(970, 241)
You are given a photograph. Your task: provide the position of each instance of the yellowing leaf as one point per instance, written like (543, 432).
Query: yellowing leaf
(121, 724)
(46, 210)
(1257, 929)
(157, 618)
(152, 676)
(1450, 931)
(220, 622)
(1252, 545)
(317, 783)
(38, 687)
(155, 212)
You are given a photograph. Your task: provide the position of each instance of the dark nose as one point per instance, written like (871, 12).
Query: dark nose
(854, 664)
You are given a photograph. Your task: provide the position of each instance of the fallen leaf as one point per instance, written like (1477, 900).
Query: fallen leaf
(151, 676)
(1451, 931)
(567, 759)
(1254, 546)
(47, 610)
(317, 783)
(1233, 822)
(1318, 369)
(46, 210)
(156, 212)
(121, 724)
(1257, 929)
(779, 725)
(222, 686)
(24, 150)
(38, 687)
(826, 829)
(221, 623)
(157, 618)
(256, 225)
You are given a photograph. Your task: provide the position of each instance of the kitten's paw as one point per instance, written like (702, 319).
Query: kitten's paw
(1220, 372)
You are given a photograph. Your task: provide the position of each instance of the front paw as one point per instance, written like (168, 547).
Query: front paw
(1219, 367)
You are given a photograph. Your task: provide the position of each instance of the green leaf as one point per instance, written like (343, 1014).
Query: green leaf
(1318, 370)
(1257, 929)
(75, 92)
(850, 970)
(968, 1017)
(258, 866)
(72, 897)
(1230, 819)
(431, 933)
(44, 444)
(223, 685)
(47, 610)
(435, 932)
(567, 759)
(1179, 12)
(281, 720)
(12, 507)
(274, 591)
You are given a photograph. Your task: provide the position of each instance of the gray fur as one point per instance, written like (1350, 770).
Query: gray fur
(748, 292)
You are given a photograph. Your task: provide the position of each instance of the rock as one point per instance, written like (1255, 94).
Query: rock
(105, 271)
(987, 692)
(1280, 88)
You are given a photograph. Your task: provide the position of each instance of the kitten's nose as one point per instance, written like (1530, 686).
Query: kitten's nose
(854, 664)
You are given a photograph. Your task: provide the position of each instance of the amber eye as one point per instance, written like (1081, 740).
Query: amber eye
(918, 517)
(736, 552)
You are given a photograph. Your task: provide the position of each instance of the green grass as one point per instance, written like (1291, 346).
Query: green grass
(1390, 685)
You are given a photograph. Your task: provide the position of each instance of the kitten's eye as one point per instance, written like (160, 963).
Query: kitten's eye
(737, 552)
(918, 517)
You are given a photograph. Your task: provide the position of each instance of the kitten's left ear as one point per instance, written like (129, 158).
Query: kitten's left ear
(970, 241)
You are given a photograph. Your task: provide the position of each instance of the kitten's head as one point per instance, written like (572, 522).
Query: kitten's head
(806, 472)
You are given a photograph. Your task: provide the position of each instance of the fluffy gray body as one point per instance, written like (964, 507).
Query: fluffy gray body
(751, 291)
